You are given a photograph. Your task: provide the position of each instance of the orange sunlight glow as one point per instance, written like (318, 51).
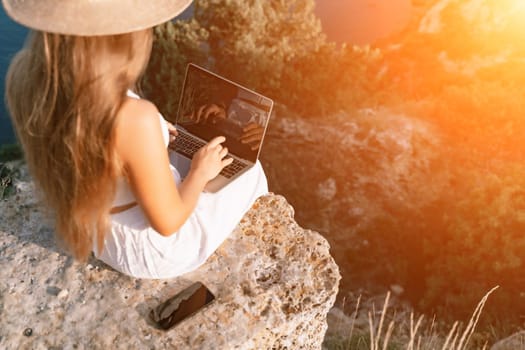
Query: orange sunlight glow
(362, 21)
(517, 22)
(507, 17)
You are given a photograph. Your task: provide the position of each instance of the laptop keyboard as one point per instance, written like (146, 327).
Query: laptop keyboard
(188, 146)
(233, 168)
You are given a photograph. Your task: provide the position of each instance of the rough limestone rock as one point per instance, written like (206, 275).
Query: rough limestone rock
(274, 281)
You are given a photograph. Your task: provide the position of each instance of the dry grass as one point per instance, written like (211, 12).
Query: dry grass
(403, 333)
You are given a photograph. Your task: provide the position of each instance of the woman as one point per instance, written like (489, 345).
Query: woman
(98, 152)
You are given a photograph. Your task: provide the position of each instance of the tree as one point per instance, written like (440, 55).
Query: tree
(253, 42)
(274, 47)
(176, 44)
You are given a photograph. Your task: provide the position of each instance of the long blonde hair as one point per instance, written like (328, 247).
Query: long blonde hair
(63, 93)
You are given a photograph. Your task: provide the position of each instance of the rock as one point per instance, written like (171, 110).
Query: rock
(514, 342)
(327, 189)
(52, 290)
(347, 173)
(274, 284)
(339, 323)
(397, 289)
(63, 294)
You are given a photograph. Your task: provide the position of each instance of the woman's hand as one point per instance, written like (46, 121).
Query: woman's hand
(172, 131)
(209, 113)
(209, 160)
(252, 135)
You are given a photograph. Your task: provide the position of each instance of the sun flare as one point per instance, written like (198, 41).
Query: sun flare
(507, 15)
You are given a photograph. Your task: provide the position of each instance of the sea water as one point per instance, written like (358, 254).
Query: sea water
(12, 38)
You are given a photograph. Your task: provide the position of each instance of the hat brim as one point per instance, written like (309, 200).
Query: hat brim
(88, 17)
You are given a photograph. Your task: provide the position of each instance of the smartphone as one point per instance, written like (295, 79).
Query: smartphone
(181, 306)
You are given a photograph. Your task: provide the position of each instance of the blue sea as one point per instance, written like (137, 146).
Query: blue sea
(12, 38)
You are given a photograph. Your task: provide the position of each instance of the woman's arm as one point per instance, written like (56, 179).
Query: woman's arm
(139, 143)
(206, 163)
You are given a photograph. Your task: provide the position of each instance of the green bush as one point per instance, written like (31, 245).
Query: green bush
(449, 253)
(483, 245)
(275, 48)
(9, 152)
(176, 44)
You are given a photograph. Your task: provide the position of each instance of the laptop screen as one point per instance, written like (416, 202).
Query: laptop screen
(213, 106)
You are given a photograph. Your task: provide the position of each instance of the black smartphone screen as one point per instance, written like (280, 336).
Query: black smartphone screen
(181, 306)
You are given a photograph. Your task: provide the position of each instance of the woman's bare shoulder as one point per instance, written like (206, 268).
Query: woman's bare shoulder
(137, 124)
(136, 112)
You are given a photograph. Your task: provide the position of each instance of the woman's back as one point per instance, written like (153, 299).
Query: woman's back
(63, 93)
(99, 156)
(135, 248)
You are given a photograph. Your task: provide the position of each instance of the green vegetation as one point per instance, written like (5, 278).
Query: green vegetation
(461, 243)
(277, 49)
(9, 152)
(482, 245)
(7, 174)
(356, 342)
(175, 45)
(470, 238)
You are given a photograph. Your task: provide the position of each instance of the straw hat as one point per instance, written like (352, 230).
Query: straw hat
(93, 17)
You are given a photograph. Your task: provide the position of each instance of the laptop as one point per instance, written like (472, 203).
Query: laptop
(212, 106)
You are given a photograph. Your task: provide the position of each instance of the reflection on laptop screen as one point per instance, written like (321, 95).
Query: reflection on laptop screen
(212, 106)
